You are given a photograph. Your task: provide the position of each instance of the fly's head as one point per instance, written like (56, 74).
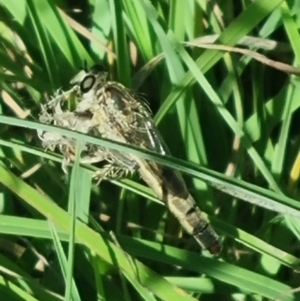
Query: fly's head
(95, 89)
(90, 83)
(116, 112)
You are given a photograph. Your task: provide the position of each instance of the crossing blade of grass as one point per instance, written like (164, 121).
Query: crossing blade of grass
(250, 193)
(83, 192)
(71, 291)
(65, 264)
(31, 150)
(280, 148)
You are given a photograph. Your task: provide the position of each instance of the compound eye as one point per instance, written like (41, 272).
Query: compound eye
(87, 83)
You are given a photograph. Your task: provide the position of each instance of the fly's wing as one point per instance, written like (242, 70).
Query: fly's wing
(147, 136)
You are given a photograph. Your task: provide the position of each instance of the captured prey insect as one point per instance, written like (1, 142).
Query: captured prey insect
(111, 111)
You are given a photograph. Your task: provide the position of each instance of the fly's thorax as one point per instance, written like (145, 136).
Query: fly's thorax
(117, 108)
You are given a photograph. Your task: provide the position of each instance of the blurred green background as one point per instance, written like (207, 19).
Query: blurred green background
(212, 73)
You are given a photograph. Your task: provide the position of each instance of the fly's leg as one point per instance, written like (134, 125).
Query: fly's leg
(111, 171)
(114, 170)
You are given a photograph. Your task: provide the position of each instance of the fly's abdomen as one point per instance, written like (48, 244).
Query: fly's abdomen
(193, 221)
(170, 188)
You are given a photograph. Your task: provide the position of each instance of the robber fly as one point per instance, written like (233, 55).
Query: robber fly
(118, 114)
(109, 110)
